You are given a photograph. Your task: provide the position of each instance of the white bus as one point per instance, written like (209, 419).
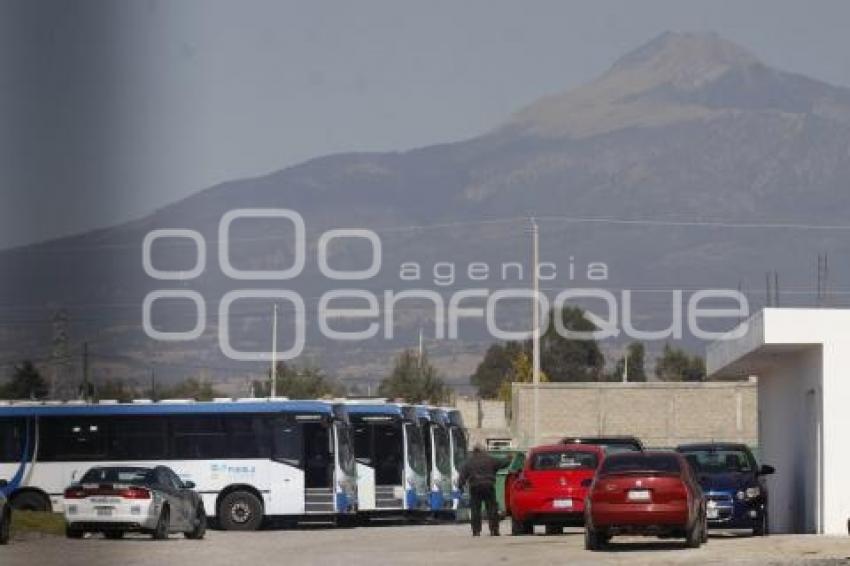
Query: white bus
(459, 450)
(392, 474)
(249, 458)
(435, 429)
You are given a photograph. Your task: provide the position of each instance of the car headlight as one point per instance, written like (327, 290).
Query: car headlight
(749, 493)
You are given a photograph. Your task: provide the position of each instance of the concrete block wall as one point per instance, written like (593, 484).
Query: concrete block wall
(660, 414)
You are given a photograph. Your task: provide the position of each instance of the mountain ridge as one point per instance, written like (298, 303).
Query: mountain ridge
(747, 143)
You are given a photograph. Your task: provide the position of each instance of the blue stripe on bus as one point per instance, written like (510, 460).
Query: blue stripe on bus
(436, 500)
(15, 482)
(167, 408)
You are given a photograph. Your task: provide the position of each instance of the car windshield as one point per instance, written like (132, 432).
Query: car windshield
(719, 460)
(627, 463)
(138, 476)
(564, 460)
(609, 445)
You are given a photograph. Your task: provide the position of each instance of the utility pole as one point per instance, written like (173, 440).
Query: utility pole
(421, 350)
(274, 353)
(776, 288)
(626, 366)
(535, 312)
(86, 393)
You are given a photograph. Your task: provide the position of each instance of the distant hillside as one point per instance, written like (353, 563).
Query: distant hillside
(686, 127)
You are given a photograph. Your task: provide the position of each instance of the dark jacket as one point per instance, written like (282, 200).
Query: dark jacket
(479, 470)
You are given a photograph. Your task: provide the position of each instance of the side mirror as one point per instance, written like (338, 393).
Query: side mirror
(766, 470)
(3, 483)
(189, 485)
(587, 482)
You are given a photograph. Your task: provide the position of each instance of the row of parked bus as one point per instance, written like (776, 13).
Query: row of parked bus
(247, 459)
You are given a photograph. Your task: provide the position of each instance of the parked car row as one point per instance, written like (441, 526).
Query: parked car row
(613, 486)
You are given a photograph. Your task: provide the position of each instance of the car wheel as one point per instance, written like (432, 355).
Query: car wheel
(114, 535)
(163, 524)
(200, 525)
(240, 511)
(520, 528)
(761, 529)
(693, 535)
(5, 527)
(71, 532)
(554, 530)
(31, 501)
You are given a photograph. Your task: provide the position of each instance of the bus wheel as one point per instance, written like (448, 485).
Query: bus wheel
(30, 501)
(240, 511)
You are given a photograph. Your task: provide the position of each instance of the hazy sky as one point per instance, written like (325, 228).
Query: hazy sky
(109, 110)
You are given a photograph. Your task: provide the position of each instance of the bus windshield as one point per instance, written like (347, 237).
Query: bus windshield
(346, 449)
(459, 446)
(441, 447)
(415, 448)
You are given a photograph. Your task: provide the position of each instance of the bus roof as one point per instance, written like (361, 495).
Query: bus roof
(164, 408)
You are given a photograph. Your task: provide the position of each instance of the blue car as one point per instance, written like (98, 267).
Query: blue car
(733, 483)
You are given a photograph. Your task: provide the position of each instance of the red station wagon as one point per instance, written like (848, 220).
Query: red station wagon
(552, 487)
(645, 493)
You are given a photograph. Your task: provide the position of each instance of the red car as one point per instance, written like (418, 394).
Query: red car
(645, 493)
(552, 487)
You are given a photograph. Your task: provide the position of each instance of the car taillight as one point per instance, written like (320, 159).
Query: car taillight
(135, 493)
(75, 493)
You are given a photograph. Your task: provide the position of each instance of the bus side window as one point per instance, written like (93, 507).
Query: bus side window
(287, 442)
(11, 439)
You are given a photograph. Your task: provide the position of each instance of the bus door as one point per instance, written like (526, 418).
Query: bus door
(287, 480)
(319, 466)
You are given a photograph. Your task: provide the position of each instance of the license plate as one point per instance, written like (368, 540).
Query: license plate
(712, 513)
(104, 511)
(562, 503)
(102, 500)
(638, 495)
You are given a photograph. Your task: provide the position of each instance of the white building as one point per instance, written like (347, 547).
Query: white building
(802, 360)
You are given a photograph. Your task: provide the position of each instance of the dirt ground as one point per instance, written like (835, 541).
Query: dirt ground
(413, 545)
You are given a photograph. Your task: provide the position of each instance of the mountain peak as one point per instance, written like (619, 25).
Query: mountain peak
(685, 54)
(656, 84)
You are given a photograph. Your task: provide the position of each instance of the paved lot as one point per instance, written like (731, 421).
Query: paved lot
(419, 544)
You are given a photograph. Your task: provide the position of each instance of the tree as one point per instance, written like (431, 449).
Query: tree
(117, 389)
(521, 372)
(567, 359)
(191, 388)
(298, 383)
(494, 369)
(636, 357)
(675, 364)
(26, 383)
(415, 380)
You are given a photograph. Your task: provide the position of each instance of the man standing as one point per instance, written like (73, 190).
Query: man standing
(479, 471)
